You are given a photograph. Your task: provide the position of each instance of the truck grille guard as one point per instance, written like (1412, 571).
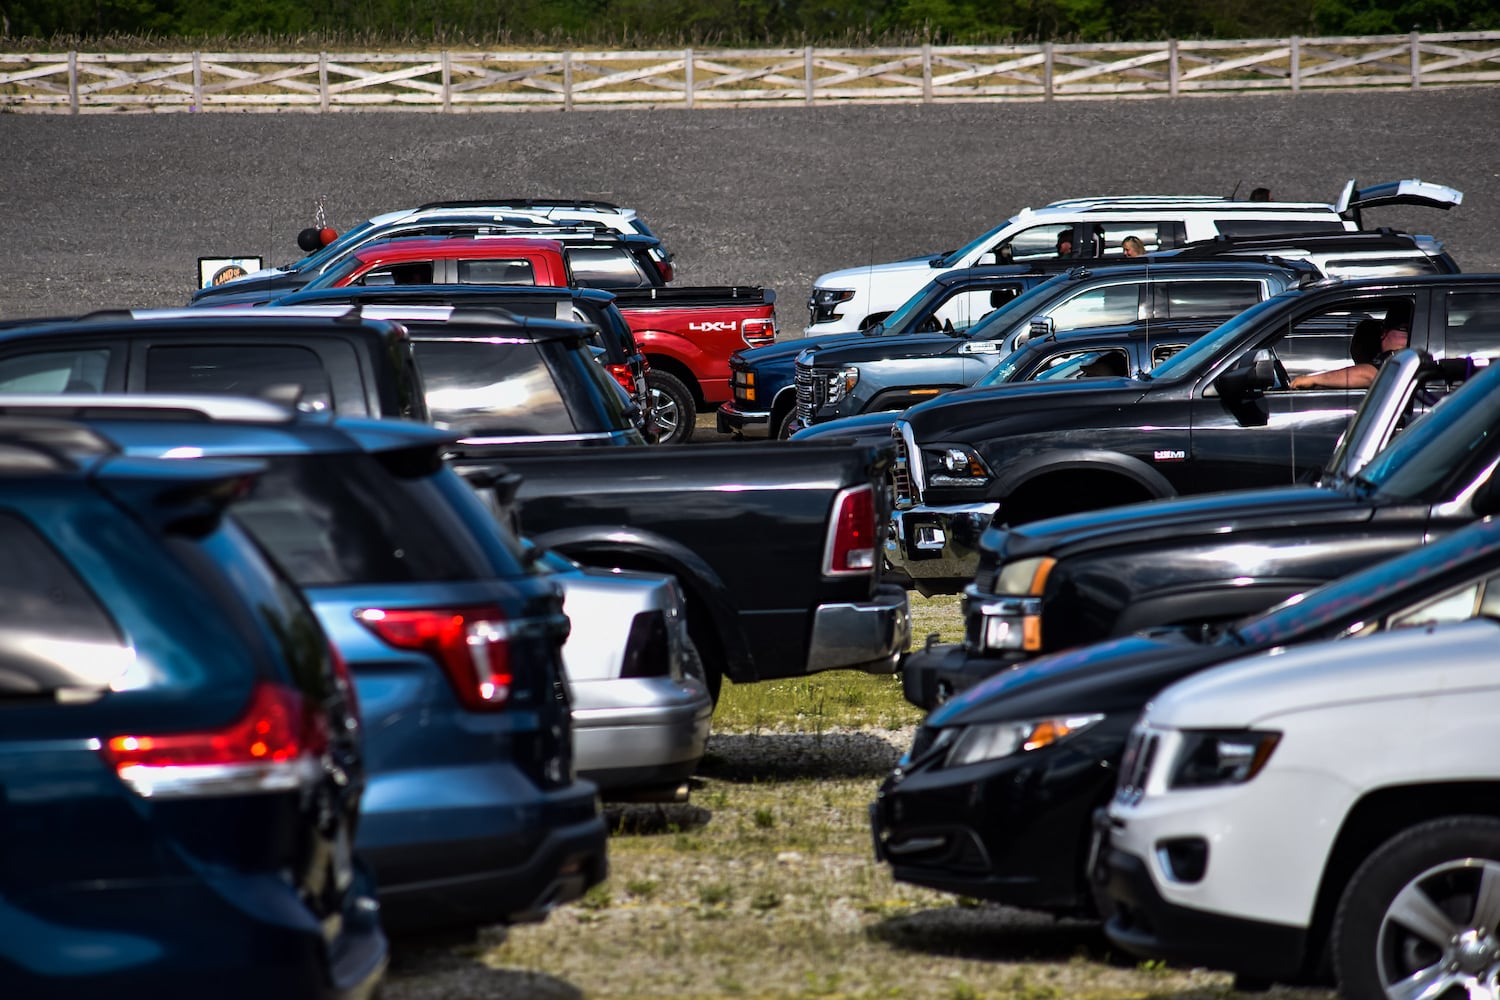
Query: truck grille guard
(906, 469)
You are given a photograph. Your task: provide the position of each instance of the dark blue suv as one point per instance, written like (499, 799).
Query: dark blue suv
(179, 750)
(473, 815)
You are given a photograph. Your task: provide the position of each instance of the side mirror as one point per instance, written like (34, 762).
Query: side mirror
(1251, 376)
(1042, 327)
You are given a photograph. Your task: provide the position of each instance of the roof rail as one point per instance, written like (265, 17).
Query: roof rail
(189, 407)
(521, 203)
(41, 444)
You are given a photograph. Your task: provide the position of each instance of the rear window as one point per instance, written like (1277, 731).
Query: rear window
(491, 388)
(347, 519)
(40, 587)
(605, 267)
(239, 370)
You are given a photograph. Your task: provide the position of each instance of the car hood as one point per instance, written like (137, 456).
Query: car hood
(1112, 676)
(1390, 666)
(859, 277)
(921, 345)
(1206, 514)
(870, 428)
(252, 287)
(963, 408)
(786, 351)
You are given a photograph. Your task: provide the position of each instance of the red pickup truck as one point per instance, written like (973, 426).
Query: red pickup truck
(687, 334)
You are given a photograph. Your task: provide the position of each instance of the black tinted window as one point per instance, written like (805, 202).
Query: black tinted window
(39, 588)
(238, 370)
(340, 519)
(1223, 297)
(1271, 227)
(491, 388)
(1473, 324)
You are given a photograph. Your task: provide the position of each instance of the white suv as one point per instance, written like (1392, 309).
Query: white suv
(847, 301)
(1335, 801)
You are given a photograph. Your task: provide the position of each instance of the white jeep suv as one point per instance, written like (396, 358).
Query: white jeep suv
(1337, 801)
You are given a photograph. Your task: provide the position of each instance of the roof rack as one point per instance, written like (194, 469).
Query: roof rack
(521, 203)
(184, 407)
(30, 445)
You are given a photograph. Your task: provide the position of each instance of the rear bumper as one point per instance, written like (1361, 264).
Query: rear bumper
(869, 636)
(646, 744)
(478, 845)
(936, 549)
(733, 421)
(226, 936)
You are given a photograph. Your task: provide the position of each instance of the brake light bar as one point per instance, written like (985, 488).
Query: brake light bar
(273, 746)
(758, 332)
(851, 535)
(472, 645)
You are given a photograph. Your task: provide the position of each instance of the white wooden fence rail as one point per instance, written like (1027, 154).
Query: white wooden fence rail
(79, 82)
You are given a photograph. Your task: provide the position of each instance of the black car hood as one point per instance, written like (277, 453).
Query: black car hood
(785, 351)
(1215, 514)
(917, 345)
(252, 288)
(961, 409)
(1112, 676)
(873, 428)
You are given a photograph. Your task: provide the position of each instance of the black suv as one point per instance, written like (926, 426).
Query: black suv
(1219, 414)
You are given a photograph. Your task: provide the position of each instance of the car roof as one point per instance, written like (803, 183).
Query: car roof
(239, 320)
(417, 248)
(360, 295)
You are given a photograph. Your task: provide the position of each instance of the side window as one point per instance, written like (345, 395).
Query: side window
(968, 307)
(1036, 243)
(1276, 227)
(239, 370)
(55, 371)
(1454, 606)
(415, 273)
(1349, 267)
(1098, 363)
(605, 267)
(1321, 341)
(1192, 299)
(1108, 305)
(1161, 352)
(1113, 235)
(496, 272)
(488, 389)
(1472, 326)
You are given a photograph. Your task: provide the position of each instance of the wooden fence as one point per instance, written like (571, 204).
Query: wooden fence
(78, 82)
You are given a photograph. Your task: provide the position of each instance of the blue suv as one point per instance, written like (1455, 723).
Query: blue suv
(180, 753)
(473, 814)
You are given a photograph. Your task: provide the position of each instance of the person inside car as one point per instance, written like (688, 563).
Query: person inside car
(1370, 344)
(1065, 243)
(1132, 246)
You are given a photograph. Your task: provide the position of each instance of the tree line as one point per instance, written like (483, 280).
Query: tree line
(741, 23)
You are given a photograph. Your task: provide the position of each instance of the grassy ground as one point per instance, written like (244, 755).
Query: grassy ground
(764, 885)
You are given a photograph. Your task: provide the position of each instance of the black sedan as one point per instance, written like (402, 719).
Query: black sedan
(994, 798)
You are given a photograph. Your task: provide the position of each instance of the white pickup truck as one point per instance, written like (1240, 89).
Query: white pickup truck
(848, 301)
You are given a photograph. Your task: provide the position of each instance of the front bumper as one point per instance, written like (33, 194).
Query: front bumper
(734, 421)
(868, 636)
(645, 732)
(935, 673)
(936, 549)
(1144, 924)
(1014, 830)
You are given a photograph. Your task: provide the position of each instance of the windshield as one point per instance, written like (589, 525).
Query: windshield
(1333, 603)
(975, 245)
(1440, 445)
(1197, 353)
(1029, 301)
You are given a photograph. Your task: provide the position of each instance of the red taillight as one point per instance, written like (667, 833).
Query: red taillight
(272, 746)
(472, 644)
(758, 332)
(664, 268)
(851, 538)
(624, 376)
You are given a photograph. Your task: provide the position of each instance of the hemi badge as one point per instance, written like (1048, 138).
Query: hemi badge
(1169, 456)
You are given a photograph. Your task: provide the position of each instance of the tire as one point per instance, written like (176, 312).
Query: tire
(676, 413)
(1444, 874)
(781, 429)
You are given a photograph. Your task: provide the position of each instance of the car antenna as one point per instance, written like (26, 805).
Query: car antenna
(1236, 189)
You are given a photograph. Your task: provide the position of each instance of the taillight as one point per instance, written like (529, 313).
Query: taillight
(624, 376)
(471, 644)
(664, 268)
(851, 536)
(758, 332)
(273, 746)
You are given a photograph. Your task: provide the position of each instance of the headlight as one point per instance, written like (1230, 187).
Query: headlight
(823, 302)
(993, 740)
(1221, 757)
(955, 467)
(841, 383)
(1025, 577)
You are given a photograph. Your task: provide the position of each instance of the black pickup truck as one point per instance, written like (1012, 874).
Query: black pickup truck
(777, 549)
(1220, 414)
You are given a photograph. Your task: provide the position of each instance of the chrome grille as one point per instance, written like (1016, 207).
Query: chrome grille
(812, 392)
(902, 494)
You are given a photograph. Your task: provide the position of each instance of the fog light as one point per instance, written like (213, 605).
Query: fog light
(1184, 859)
